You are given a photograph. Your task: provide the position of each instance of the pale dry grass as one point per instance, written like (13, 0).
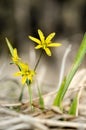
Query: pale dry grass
(18, 116)
(50, 119)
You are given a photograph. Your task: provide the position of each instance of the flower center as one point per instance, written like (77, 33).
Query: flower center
(44, 45)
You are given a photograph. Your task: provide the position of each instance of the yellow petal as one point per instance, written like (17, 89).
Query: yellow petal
(15, 52)
(34, 39)
(24, 79)
(48, 52)
(41, 35)
(38, 47)
(33, 73)
(15, 55)
(49, 37)
(23, 66)
(54, 45)
(17, 74)
(30, 78)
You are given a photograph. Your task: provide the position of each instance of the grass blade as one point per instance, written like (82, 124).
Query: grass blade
(74, 106)
(57, 100)
(64, 86)
(41, 100)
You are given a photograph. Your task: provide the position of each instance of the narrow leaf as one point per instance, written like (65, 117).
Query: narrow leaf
(78, 59)
(9, 45)
(41, 100)
(57, 99)
(74, 106)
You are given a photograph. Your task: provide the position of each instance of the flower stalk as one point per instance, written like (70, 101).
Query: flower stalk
(38, 60)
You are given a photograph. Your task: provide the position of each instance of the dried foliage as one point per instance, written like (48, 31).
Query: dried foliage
(18, 116)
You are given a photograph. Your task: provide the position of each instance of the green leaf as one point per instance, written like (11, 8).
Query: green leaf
(21, 94)
(57, 99)
(74, 106)
(9, 46)
(65, 84)
(41, 100)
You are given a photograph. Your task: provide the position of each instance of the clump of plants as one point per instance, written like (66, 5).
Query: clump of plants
(28, 74)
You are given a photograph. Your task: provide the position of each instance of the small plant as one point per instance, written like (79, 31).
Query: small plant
(28, 74)
(25, 72)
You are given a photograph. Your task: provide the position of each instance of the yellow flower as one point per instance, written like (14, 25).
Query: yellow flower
(15, 57)
(45, 43)
(25, 72)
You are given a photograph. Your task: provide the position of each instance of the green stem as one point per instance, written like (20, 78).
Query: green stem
(38, 60)
(30, 95)
(41, 100)
(21, 94)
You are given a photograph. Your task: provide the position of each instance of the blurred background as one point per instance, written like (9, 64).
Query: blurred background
(20, 18)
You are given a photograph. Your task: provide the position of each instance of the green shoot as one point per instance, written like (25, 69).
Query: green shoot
(41, 100)
(74, 106)
(21, 94)
(65, 84)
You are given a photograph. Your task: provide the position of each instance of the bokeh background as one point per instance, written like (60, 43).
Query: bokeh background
(20, 18)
